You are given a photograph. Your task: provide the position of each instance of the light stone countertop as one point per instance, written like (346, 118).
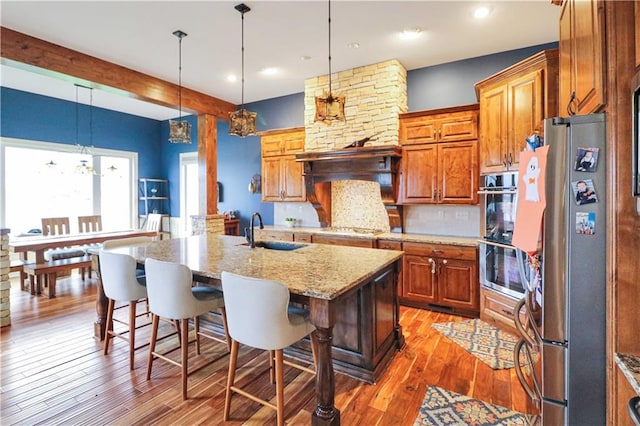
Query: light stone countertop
(630, 367)
(402, 237)
(315, 270)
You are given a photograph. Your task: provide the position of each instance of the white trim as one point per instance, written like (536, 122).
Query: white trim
(132, 156)
(186, 158)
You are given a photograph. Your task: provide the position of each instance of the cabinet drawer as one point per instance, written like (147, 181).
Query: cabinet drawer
(302, 237)
(274, 235)
(342, 241)
(418, 130)
(498, 309)
(440, 250)
(389, 244)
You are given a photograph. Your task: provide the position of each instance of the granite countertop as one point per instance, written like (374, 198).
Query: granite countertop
(314, 270)
(630, 367)
(402, 237)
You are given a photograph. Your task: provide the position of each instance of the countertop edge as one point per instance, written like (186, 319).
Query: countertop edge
(630, 367)
(394, 236)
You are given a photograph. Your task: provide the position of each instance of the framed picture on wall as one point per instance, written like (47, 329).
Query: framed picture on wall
(636, 134)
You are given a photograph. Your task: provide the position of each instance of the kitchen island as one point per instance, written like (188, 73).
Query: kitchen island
(351, 294)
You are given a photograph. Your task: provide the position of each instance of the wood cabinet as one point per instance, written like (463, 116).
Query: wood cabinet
(498, 309)
(441, 277)
(282, 178)
(341, 240)
(440, 156)
(513, 104)
(582, 57)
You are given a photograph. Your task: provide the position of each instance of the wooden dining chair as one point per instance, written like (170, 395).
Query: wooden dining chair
(52, 226)
(89, 223)
(55, 226)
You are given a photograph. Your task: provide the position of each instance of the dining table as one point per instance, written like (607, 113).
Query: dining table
(320, 276)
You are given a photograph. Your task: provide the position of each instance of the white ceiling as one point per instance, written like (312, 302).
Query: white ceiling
(138, 35)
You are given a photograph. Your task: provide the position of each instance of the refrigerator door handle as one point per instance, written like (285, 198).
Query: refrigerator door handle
(521, 330)
(534, 393)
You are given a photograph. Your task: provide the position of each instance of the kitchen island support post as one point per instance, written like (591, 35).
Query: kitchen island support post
(323, 318)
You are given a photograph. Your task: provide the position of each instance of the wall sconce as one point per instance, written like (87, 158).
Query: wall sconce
(255, 185)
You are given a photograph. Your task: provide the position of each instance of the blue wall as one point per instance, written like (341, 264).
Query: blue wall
(29, 116)
(452, 83)
(34, 117)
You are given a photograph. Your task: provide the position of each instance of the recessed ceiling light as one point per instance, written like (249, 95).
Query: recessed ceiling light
(232, 78)
(269, 71)
(481, 12)
(410, 34)
(353, 45)
(305, 58)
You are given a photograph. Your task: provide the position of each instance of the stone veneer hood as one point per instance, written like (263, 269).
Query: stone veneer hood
(375, 96)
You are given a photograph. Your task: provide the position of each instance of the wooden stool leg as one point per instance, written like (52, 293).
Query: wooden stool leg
(223, 311)
(279, 387)
(132, 332)
(272, 367)
(196, 328)
(152, 345)
(185, 356)
(107, 334)
(51, 278)
(233, 359)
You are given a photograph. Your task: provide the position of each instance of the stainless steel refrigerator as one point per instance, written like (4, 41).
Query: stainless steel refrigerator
(568, 380)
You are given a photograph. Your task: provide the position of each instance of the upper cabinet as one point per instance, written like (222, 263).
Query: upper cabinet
(282, 178)
(582, 59)
(439, 156)
(513, 104)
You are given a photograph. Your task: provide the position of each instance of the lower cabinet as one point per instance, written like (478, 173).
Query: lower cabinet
(497, 309)
(342, 240)
(442, 277)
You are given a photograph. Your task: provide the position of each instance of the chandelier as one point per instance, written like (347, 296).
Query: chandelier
(329, 107)
(85, 150)
(179, 130)
(242, 122)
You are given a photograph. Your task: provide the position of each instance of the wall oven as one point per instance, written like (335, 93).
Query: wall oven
(499, 260)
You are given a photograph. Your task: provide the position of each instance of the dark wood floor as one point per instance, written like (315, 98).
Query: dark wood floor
(54, 372)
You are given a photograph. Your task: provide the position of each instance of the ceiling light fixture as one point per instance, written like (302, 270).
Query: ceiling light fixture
(84, 149)
(328, 107)
(353, 45)
(410, 34)
(179, 130)
(242, 122)
(269, 71)
(481, 12)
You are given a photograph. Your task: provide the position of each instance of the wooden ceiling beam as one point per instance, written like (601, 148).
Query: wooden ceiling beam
(24, 51)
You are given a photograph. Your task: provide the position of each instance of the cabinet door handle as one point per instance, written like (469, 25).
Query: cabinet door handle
(444, 261)
(510, 160)
(504, 163)
(433, 265)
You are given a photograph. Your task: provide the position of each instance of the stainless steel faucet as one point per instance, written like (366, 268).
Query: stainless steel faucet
(250, 236)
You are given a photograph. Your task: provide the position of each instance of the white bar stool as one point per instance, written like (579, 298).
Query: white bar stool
(259, 315)
(171, 296)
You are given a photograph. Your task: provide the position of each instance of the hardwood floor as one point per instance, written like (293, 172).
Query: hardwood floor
(54, 372)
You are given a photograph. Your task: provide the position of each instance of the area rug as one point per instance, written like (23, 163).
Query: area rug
(442, 407)
(489, 344)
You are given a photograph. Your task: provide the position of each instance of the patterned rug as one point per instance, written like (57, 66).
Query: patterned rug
(442, 407)
(489, 344)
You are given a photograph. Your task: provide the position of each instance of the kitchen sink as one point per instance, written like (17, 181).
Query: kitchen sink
(277, 245)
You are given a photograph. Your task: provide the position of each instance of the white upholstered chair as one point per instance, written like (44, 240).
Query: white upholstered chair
(171, 296)
(120, 284)
(154, 222)
(259, 315)
(130, 241)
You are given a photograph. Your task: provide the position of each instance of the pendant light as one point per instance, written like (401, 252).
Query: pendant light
(84, 167)
(179, 130)
(242, 122)
(329, 107)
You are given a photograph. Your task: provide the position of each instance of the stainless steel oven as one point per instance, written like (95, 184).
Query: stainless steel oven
(499, 268)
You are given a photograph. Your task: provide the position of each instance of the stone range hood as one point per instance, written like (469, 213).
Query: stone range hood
(370, 163)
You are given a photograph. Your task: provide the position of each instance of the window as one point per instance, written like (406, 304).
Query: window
(49, 180)
(189, 185)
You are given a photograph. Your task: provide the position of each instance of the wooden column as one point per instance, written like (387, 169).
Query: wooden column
(208, 164)
(623, 222)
